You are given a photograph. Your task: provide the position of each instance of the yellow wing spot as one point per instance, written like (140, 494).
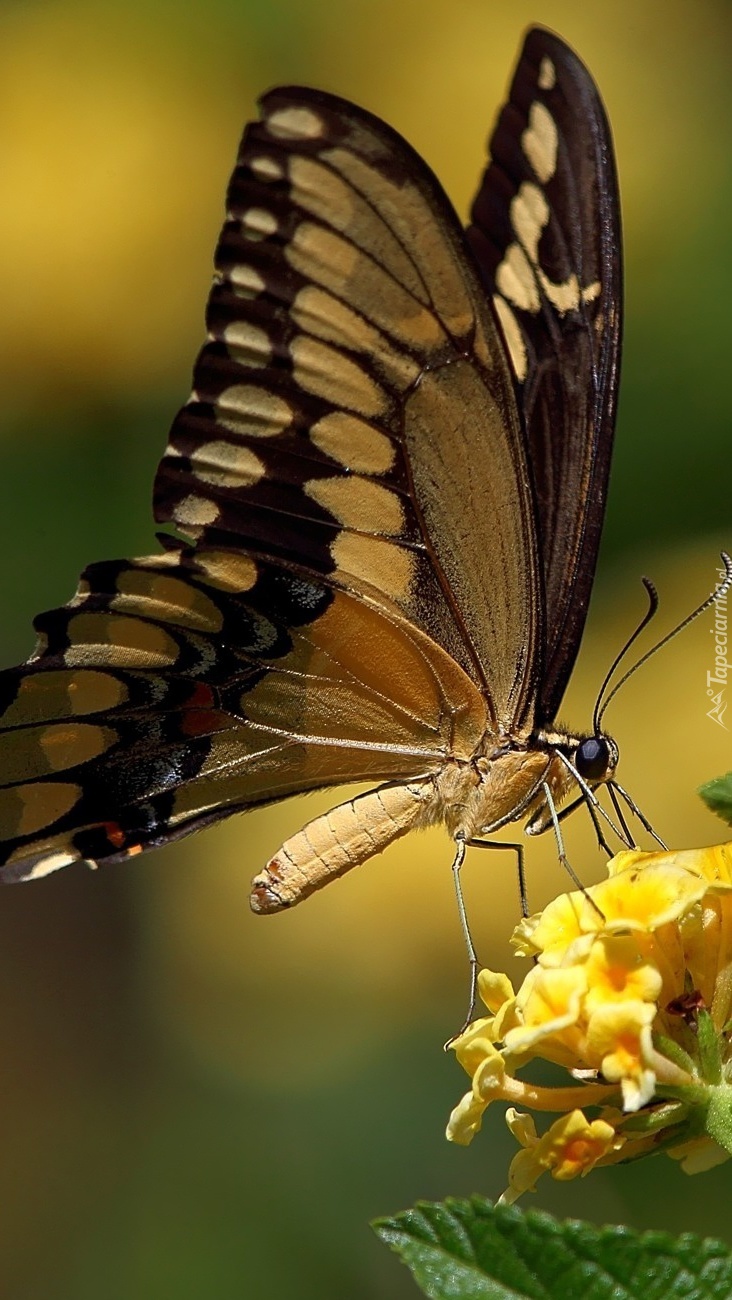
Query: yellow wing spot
(516, 280)
(248, 344)
(266, 168)
(53, 862)
(64, 745)
(519, 276)
(92, 692)
(294, 124)
(40, 751)
(257, 223)
(513, 337)
(353, 443)
(337, 264)
(196, 512)
(27, 809)
(322, 255)
(320, 191)
(568, 296)
(167, 599)
(328, 373)
(42, 697)
(224, 464)
(322, 314)
(117, 642)
(540, 141)
(359, 503)
(547, 74)
(244, 408)
(168, 559)
(382, 565)
(246, 279)
(227, 570)
(529, 215)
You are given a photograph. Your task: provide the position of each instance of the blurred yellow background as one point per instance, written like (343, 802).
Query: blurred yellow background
(198, 1102)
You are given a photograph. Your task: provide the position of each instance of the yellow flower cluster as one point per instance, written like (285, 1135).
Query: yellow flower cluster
(630, 995)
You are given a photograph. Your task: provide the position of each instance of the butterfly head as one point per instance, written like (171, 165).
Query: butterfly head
(578, 761)
(596, 758)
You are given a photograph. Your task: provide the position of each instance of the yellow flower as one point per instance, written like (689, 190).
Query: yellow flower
(634, 897)
(620, 1045)
(630, 994)
(572, 1146)
(488, 1080)
(712, 864)
(617, 971)
(549, 1004)
(495, 990)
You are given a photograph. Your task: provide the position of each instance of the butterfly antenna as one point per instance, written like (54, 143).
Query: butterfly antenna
(719, 592)
(652, 607)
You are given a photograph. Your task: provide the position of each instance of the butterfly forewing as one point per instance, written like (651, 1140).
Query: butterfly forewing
(546, 233)
(353, 410)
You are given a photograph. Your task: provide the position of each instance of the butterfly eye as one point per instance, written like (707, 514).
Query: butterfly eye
(592, 759)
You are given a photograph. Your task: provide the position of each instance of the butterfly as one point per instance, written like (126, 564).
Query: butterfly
(387, 490)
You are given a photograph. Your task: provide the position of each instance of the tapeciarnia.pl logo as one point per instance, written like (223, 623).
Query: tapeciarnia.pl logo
(717, 680)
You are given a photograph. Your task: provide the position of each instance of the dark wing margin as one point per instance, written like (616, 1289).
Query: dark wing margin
(545, 229)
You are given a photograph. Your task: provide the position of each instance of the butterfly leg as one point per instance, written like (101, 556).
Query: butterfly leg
(561, 851)
(339, 840)
(615, 786)
(460, 846)
(457, 863)
(582, 801)
(518, 849)
(599, 834)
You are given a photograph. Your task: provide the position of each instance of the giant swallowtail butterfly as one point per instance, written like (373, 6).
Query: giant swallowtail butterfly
(390, 478)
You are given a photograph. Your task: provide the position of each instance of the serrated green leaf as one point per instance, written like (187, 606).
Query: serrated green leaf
(473, 1250)
(717, 795)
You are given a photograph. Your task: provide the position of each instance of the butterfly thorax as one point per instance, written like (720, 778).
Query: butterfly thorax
(510, 781)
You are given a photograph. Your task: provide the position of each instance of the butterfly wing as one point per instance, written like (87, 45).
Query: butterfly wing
(545, 230)
(353, 408)
(361, 600)
(176, 689)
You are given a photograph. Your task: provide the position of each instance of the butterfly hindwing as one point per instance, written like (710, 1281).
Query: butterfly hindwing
(179, 688)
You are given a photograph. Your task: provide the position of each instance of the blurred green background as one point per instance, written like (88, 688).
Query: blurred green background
(196, 1102)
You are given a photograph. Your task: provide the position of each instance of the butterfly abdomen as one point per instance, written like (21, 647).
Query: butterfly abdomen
(470, 799)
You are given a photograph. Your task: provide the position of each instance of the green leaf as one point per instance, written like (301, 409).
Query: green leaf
(473, 1250)
(717, 795)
